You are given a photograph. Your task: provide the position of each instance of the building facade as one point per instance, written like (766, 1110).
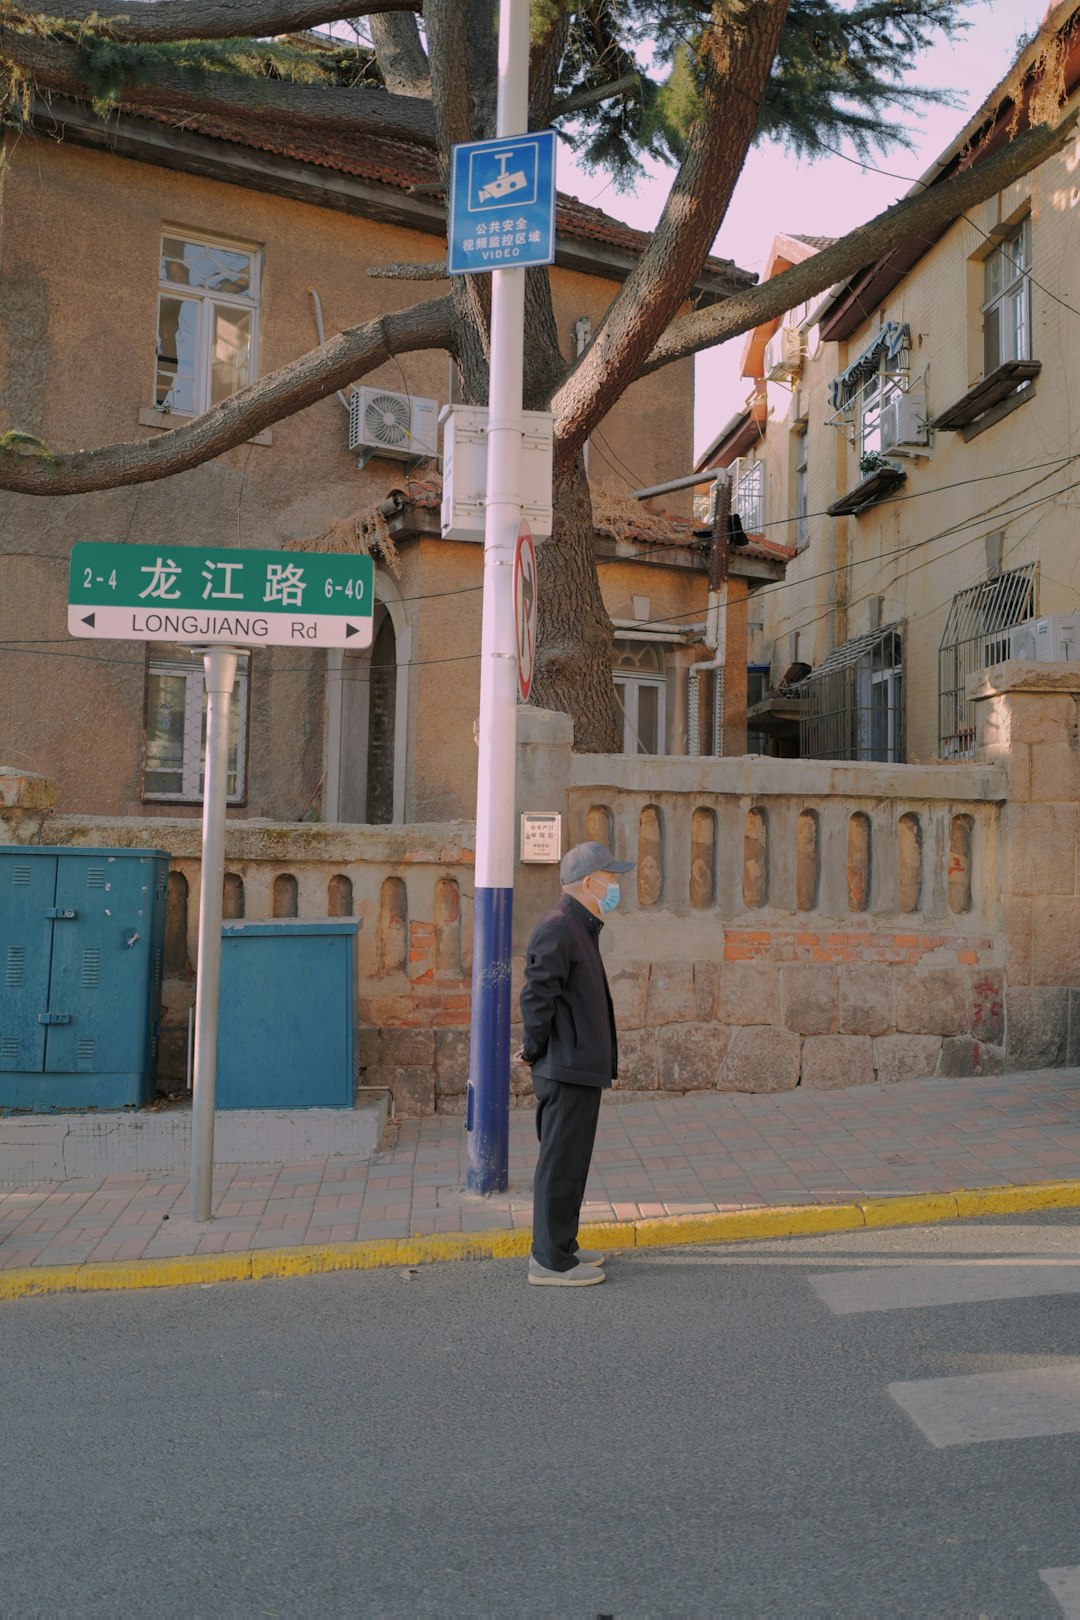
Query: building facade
(910, 437)
(151, 272)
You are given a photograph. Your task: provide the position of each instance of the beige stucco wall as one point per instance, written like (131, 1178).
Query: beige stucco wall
(79, 243)
(917, 552)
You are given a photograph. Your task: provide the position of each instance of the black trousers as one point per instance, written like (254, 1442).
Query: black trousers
(566, 1119)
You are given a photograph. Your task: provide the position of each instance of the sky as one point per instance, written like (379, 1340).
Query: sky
(779, 193)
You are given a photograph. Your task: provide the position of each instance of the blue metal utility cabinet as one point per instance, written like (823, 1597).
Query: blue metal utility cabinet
(286, 1014)
(81, 938)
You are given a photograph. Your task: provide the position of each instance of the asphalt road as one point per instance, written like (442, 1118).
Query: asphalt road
(703, 1435)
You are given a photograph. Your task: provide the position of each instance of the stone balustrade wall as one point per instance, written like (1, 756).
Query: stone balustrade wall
(797, 922)
(788, 922)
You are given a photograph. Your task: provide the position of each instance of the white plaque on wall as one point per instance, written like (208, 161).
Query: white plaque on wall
(541, 836)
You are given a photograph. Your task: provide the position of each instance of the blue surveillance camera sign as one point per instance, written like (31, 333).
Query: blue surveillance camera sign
(502, 204)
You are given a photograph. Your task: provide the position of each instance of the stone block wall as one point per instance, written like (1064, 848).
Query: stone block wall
(789, 922)
(1028, 724)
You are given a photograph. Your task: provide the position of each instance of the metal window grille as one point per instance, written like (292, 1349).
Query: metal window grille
(853, 703)
(976, 636)
(748, 494)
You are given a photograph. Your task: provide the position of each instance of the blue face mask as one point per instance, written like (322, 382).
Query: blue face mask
(610, 899)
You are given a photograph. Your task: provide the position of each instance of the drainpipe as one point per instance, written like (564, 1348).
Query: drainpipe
(715, 637)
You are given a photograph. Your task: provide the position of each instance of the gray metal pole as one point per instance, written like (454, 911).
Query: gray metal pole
(220, 667)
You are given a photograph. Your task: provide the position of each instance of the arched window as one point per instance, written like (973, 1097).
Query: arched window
(366, 733)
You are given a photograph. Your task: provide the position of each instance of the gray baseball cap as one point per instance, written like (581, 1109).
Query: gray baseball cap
(584, 859)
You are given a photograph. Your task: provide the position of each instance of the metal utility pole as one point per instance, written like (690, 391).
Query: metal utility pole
(488, 1118)
(220, 666)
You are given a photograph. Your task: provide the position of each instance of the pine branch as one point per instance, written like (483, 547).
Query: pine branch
(139, 77)
(738, 47)
(343, 359)
(911, 218)
(155, 21)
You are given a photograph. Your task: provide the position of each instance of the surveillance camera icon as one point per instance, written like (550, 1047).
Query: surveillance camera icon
(503, 184)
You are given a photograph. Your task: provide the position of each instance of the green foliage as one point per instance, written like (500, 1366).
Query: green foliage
(110, 65)
(14, 443)
(843, 71)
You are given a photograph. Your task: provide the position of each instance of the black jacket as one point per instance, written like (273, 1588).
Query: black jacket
(565, 1002)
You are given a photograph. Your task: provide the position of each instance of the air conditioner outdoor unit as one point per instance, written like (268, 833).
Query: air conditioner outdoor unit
(401, 426)
(1053, 639)
(784, 354)
(464, 487)
(903, 424)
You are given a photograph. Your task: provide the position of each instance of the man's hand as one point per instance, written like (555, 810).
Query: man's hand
(519, 1056)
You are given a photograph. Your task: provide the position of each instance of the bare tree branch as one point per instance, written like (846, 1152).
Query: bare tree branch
(302, 382)
(911, 218)
(61, 69)
(402, 59)
(588, 98)
(737, 46)
(433, 270)
(156, 21)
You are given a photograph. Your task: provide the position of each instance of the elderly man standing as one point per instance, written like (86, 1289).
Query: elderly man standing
(571, 1046)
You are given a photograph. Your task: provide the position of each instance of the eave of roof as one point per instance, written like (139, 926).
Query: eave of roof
(873, 285)
(734, 440)
(785, 252)
(375, 176)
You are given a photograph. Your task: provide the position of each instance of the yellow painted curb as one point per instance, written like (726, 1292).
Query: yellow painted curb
(1018, 1200)
(674, 1231)
(909, 1209)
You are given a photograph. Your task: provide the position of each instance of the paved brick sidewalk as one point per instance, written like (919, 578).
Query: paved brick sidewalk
(655, 1156)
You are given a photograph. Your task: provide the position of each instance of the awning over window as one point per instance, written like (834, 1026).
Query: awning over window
(892, 339)
(876, 648)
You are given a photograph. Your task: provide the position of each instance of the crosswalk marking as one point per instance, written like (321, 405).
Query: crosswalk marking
(944, 1282)
(1019, 1405)
(1065, 1585)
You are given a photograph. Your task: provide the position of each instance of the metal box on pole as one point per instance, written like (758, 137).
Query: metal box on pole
(465, 467)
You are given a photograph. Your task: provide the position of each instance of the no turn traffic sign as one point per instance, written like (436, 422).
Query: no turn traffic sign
(525, 609)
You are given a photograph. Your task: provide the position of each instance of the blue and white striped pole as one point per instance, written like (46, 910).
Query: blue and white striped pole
(487, 1121)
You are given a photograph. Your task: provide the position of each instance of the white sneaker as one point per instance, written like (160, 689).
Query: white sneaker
(579, 1276)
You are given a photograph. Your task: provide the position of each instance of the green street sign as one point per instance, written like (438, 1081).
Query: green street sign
(206, 595)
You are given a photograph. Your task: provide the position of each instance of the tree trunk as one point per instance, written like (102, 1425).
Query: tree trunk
(574, 634)
(153, 21)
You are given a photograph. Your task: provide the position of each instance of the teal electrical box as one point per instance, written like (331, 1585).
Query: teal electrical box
(81, 939)
(286, 1014)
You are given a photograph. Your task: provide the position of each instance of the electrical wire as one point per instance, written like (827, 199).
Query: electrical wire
(993, 517)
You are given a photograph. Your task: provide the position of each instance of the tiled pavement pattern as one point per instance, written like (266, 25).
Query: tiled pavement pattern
(655, 1156)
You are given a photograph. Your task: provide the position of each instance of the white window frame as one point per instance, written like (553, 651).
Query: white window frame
(1010, 306)
(748, 494)
(168, 662)
(207, 301)
(875, 393)
(873, 681)
(629, 683)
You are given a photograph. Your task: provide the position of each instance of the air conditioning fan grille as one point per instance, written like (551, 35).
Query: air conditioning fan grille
(388, 420)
